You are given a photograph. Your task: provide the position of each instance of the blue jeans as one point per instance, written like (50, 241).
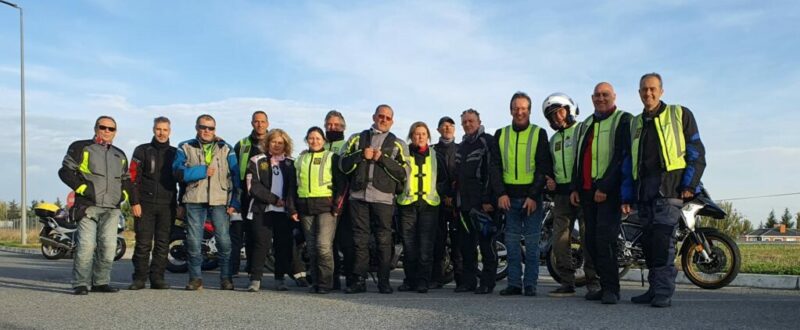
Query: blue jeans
(519, 226)
(196, 216)
(97, 244)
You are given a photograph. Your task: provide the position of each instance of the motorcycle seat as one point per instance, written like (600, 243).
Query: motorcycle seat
(63, 221)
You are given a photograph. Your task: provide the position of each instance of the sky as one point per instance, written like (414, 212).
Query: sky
(733, 63)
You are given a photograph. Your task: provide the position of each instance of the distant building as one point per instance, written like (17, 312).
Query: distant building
(779, 233)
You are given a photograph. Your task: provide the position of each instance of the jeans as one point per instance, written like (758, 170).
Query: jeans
(196, 214)
(418, 224)
(152, 234)
(519, 226)
(97, 244)
(320, 230)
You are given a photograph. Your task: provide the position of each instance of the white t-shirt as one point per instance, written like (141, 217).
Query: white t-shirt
(277, 188)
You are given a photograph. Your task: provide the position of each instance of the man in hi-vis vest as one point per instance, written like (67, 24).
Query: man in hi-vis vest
(668, 160)
(602, 149)
(246, 148)
(520, 167)
(561, 112)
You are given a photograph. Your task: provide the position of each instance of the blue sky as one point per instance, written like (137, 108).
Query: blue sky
(734, 63)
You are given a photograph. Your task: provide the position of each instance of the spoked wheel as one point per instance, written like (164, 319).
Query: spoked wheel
(720, 269)
(502, 260)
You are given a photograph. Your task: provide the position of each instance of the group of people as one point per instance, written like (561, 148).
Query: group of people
(342, 192)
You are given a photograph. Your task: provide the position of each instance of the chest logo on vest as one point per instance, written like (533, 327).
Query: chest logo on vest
(317, 161)
(568, 142)
(638, 133)
(263, 166)
(557, 147)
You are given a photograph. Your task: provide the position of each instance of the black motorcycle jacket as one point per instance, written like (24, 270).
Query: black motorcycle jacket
(151, 173)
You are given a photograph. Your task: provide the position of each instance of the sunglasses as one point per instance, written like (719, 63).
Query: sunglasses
(205, 128)
(106, 128)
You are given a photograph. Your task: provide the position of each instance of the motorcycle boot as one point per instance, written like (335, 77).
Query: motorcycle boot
(661, 301)
(80, 291)
(594, 295)
(609, 298)
(359, 286)
(159, 284)
(644, 298)
(511, 291)
(226, 284)
(195, 284)
(105, 288)
(136, 285)
(562, 291)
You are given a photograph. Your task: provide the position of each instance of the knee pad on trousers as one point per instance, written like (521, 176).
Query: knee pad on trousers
(661, 245)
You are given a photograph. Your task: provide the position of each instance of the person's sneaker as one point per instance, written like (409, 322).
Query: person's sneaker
(159, 284)
(609, 298)
(136, 285)
(405, 287)
(195, 284)
(226, 284)
(661, 301)
(510, 291)
(255, 286)
(644, 298)
(105, 288)
(301, 282)
(562, 291)
(280, 286)
(80, 290)
(530, 291)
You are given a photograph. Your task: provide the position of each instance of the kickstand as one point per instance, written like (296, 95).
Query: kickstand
(641, 273)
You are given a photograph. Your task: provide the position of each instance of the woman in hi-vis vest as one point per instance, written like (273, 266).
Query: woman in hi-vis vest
(272, 185)
(419, 209)
(319, 204)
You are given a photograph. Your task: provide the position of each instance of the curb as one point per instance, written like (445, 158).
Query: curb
(19, 250)
(783, 282)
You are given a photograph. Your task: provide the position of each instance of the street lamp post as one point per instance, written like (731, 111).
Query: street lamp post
(23, 176)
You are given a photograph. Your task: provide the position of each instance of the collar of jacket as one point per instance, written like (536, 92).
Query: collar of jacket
(159, 145)
(599, 116)
(661, 107)
(472, 137)
(101, 142)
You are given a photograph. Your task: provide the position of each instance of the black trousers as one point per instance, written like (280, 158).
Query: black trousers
(418, 223)
(602, 229)
(344, 249)
(271, 230)
(447, 227)
(372, 219)
(241, 236)
(152, 234)
(471, 240)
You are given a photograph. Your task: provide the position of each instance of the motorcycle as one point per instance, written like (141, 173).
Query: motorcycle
(709, 258)
(59, 231)
(178, 256)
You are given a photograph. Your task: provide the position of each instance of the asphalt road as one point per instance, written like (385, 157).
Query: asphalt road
(35, 294)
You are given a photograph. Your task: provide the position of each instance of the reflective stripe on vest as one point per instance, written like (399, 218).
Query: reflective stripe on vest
(244, 156)
(563, 147)
(669, 125)
(516, 169)
(604, 133)
(314, 174)
(335, 146)
(413, 191)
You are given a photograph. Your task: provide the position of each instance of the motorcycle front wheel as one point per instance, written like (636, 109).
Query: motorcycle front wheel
(53, 253)
(577, 264)
(720, 270)
(121, 248)
(502, 260)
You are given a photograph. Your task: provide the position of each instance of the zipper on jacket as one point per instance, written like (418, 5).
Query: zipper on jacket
(516, 153)
(310, 164)
(563, 151)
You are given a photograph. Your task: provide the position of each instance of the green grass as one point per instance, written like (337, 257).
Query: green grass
(778, 259)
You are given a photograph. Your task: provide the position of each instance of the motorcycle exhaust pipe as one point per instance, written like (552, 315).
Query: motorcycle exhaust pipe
(53, 243)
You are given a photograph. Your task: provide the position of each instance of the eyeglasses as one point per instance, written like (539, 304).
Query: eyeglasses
(106, 128)
(384, 117)
(205, 128)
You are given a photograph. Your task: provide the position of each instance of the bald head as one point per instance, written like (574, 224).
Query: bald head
(604, 98)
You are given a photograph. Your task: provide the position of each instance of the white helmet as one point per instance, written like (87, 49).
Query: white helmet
(559, 100)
